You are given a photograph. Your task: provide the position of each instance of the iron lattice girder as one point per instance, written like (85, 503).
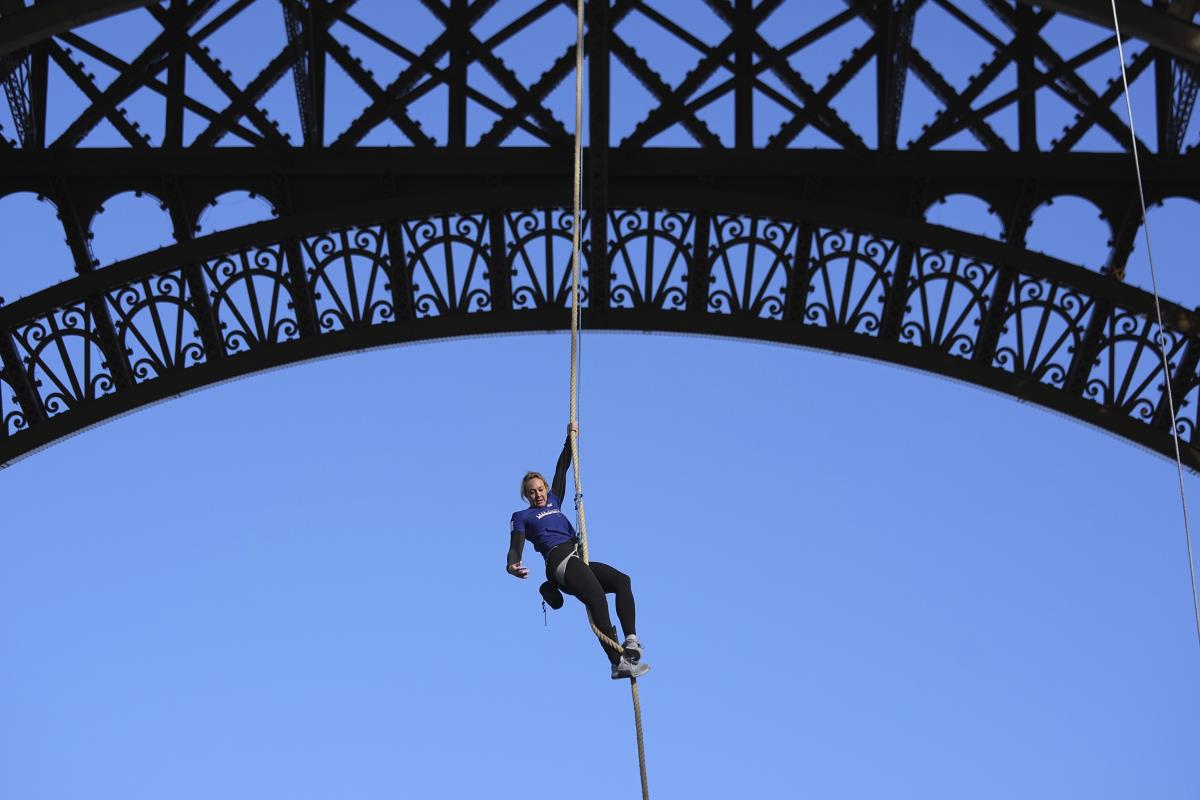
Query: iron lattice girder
(1157, 27)
(1184, 85)
(14, 72)
(420, 265)
(754, 67)
(1152, 25)
(1013, 184)
(37, 23)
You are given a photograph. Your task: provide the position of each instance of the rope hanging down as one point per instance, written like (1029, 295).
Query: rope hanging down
(1162, 346)
(576, 224)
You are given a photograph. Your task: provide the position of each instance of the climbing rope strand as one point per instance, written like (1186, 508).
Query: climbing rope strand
(1162, 347)
(576, 226)
(637, 721)
(576, 202)
(576, 231)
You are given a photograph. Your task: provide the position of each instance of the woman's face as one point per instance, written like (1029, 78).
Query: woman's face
(536, 492)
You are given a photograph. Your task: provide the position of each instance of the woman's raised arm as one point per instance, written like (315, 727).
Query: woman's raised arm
(559, 485)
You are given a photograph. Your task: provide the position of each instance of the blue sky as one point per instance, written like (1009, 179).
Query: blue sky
(853, 580)
(848, 586)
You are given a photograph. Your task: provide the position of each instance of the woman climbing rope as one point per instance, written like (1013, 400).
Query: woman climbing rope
(552, 535)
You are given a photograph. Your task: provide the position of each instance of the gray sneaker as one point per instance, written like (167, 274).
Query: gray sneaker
(627, 669)
(632, 648)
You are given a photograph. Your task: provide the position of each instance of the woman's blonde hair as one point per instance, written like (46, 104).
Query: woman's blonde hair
(530, 476)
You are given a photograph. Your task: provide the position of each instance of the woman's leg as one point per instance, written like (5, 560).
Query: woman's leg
(583, 583)
(613, 581)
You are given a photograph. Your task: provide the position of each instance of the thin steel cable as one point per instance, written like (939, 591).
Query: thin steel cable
(576, 226)
(1162, 347)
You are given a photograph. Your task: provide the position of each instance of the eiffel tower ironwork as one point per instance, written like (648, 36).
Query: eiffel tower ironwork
(439, 206)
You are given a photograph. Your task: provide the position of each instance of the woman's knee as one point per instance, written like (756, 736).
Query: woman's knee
(621, 581)
(611, 577)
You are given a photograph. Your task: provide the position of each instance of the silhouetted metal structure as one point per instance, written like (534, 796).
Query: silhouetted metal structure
(460, 233)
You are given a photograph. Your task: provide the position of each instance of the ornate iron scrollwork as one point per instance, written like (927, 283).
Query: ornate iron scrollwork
(447, 264)
(1128, 373)
(349, 275)
(1187, 419)
(156, 326)
(851, 273)
(12, 416)
(1043, 325)
(64, 357)
(935, 295)
(252, 298)
(751, 260)
(652, 256)
(947, 297)
(539, 257)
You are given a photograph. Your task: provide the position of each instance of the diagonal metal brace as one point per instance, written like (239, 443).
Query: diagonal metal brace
(1156, 27)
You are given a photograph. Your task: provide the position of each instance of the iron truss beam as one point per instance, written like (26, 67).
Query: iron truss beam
(14, 72)
(1013, 183)
(27, 26)
(738, 71)
(1157, 27)
(1184, 81)
(422, 266)
(1164, 30)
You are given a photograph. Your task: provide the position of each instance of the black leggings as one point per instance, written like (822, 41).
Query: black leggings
(589, 583)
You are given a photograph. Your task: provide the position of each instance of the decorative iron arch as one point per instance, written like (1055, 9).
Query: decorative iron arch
(816, 275)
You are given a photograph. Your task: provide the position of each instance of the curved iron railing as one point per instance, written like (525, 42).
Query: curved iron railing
(244, 300)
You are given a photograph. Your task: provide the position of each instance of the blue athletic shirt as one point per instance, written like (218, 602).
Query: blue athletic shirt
(546, 527)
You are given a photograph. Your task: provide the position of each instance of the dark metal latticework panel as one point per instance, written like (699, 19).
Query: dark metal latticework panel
(801, 280)
(746, 58)
(421, 175)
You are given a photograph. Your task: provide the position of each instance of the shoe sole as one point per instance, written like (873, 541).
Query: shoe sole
(627, 677)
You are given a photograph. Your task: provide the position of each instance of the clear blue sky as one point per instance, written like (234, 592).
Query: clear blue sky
(853, 580)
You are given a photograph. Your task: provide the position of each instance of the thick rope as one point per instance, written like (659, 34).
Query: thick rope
(576, 226)
(1162, 347)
